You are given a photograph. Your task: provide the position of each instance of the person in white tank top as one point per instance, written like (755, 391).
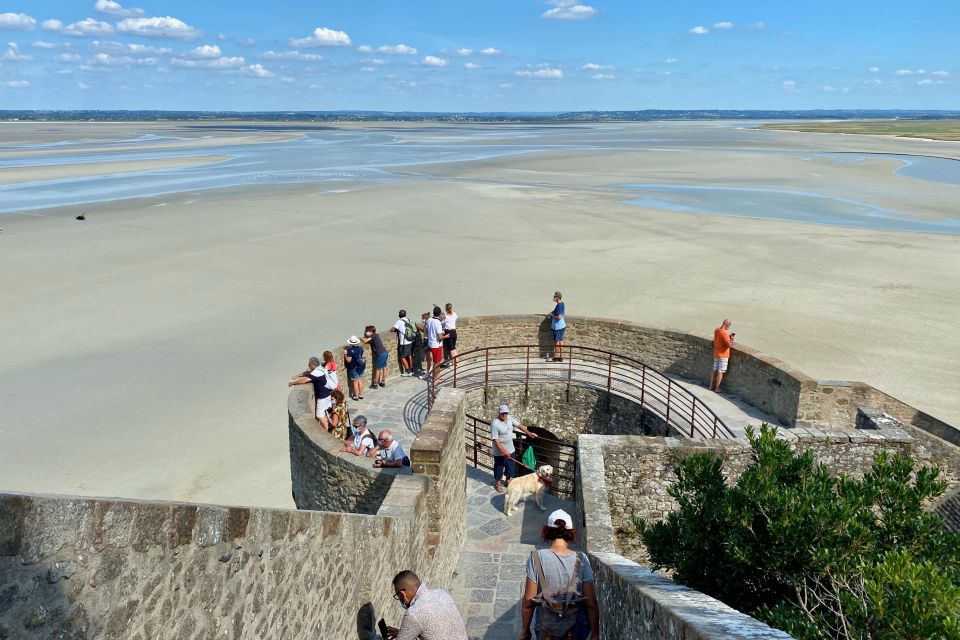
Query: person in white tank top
(450, 330)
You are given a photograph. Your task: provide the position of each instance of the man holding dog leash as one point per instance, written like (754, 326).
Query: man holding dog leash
(501, 432)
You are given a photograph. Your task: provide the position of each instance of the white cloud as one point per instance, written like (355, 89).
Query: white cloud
(461, 52)
(757, 25)
(591, 66)
(17, 22)
(568, 10)
(67, 57)
(164, 27)
(257, 71)
(107, 60)
(723, 25)
(247, 42)
(904, 72)
(114, 9)
(670, 61)
(875, 82)
(291, 55)
(699, 30)
(378, 61)
(205, 52)
(219, 63)
(434, 61)
(16, 84)
(40, 44)
(368, 69)
(789, 85)
(471, 66)
(83, 86)
(940, 74)
(85, 28)
(506, 85)
(603, 76)
(541, 71)
(323, 37)
(490, 51)
(874, 69)
(364, 48)
(398, 50)
(13, 54)
(129, 49)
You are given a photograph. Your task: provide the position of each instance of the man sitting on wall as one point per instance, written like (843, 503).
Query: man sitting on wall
(391, 453)
(361, 443)
(431, 613)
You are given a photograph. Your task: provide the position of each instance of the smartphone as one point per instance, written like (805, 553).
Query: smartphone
(382, 625)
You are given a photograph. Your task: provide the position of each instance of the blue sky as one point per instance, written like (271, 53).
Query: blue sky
(485, 55)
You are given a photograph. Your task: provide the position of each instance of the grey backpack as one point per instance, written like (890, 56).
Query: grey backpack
(558, 615)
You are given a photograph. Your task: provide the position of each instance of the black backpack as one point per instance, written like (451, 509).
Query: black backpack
(558, 617)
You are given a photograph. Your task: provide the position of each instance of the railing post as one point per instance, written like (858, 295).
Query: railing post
(476, 460)
(486, 373)
(455, 372)
(526, 381)
(693, 413)
(569, 370)
(643, 383)
(714, 425)
(609, 372)
(669, 383)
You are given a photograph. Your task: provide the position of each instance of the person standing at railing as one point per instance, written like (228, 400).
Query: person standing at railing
(501, 432)
(558, 325)
(722, 341)
(450, 331)
(433, 331)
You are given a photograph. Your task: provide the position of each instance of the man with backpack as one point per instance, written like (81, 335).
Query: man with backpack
(559, 596)
(324, 382)
(406, 334)
(356, 365)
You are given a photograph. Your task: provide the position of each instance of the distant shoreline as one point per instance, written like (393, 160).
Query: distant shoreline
(946, 130)
(566, 117)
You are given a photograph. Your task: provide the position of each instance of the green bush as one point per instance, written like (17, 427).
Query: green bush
(816, 555)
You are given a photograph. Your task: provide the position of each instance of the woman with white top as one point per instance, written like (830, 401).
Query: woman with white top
(450, 330)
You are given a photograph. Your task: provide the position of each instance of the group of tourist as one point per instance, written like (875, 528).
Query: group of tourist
(559, 600)
(434, 338)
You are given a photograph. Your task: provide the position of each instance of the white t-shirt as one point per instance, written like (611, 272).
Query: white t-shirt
(503, 431)
(401, 324)
(364, 439)
(450, 322)
(433, 329)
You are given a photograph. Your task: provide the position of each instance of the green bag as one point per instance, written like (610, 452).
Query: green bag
(529, 459)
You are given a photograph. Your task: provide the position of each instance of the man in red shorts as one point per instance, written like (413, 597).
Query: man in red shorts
(434, 330)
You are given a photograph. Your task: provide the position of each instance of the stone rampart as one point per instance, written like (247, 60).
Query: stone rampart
(323, 478)
(760, 380)
(636, 602)
(135, 570)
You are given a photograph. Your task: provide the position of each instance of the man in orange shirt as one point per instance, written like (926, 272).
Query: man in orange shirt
(722, 340)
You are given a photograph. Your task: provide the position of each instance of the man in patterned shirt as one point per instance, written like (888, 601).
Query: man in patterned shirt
(431, 613)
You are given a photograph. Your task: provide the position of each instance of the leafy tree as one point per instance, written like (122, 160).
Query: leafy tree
(816, 555)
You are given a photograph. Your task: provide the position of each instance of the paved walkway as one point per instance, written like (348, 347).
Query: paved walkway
(490, 575)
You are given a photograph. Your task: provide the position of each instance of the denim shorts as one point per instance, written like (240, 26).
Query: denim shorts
(558, 334)
(381, 362)
(354, 374)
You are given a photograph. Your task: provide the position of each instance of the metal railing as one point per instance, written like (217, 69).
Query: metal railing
(560, 455)
(614, 373)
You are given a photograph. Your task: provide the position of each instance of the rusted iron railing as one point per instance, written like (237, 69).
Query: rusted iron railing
(617, 374)
(560, 455)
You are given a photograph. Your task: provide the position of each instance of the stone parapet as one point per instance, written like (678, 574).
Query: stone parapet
(138, 570)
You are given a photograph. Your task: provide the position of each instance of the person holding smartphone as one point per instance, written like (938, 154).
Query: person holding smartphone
(722, 341)
(430, 614)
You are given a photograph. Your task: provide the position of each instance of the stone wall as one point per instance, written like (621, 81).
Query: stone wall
(134, 570)
(758, 379)
(636, 602)
(642, 468)
(437, 454)
(324, 479)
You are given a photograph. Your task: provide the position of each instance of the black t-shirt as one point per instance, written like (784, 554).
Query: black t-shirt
(376, 345)
(319, 379)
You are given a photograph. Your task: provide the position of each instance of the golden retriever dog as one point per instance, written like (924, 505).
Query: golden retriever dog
(532, 484)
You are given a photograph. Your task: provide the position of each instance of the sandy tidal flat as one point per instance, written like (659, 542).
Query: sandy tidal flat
(146, 350)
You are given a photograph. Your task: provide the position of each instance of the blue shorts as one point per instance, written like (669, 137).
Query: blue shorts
(558, 334)
(355, 374)
(381, 362)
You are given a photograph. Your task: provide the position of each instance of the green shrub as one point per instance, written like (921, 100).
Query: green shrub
(816, 555)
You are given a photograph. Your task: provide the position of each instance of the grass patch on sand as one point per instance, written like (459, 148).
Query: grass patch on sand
(933, 129)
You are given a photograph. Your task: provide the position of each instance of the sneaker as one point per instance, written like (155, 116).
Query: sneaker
(383, 384)
(374, 385)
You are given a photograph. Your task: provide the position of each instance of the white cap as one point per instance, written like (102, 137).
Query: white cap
(504, 409)
(560, 514)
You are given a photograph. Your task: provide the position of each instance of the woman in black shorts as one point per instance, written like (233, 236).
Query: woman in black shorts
(450, 330)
